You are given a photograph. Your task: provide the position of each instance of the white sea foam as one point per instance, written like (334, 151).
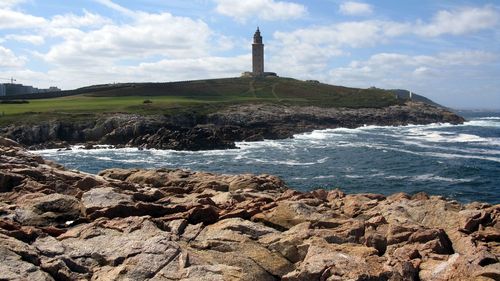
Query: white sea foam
(104, 158)
(489, 118)
(259, 144)
(300, 179)
(280, 162)
(314, 135)
(325, 177)
(322, 160)
(454, 149)
(446, 137)
(376, 175)
(432, 177)
(353, 176)
(138, 161)
(483, 123)
(455, 156)
(396, 177)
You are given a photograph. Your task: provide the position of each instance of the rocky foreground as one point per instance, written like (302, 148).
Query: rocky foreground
(58, 224)
(219, 130)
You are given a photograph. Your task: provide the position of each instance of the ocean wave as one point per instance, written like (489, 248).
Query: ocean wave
(353, 176)
(139, 161)
(260, 144)
(314, 135)
(396, 177)
(444, 155)
(490, 118)
(448, 137)
(288, 162)
(299, 178)
(469, 150)
(458, 156)
(432, 177)
(483, 123)
(104, 158)
(325, 177)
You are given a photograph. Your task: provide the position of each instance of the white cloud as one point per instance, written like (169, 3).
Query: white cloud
(71, 20)
(159, 71)
(9, 60)
(355, 8)
(10, 3)
(185, 69)
(146, 36)
(110, 4)
(452, 79)
(351, 34)
(394, 70)
(309, 50)
(460, 21)
(32, 39)
(10, 19)
(270, 10)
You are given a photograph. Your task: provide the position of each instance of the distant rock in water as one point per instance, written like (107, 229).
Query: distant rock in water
(169, 224)
(221, 129)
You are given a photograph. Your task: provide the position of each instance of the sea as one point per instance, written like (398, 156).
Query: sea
(459, 162)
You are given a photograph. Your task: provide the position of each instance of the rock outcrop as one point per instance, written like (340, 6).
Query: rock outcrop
(164, 224)
(220, 130)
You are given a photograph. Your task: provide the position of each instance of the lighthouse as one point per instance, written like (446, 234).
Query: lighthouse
(258, 59)
(257, 55)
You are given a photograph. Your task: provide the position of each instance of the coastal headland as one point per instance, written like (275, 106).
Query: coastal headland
(205, 114)
(170, 224)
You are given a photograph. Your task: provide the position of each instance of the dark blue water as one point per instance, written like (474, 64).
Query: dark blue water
(460, 162)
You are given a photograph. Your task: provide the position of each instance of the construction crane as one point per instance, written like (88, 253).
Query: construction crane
(12, 80)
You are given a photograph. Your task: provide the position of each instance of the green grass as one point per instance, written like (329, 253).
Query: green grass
(201, 96)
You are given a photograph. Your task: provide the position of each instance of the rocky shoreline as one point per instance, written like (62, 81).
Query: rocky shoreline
(219, 130)
(168, 224)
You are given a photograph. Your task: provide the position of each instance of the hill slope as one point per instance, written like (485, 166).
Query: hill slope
(200, 95)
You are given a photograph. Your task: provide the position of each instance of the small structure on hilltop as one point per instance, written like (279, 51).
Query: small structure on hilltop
(258, 58)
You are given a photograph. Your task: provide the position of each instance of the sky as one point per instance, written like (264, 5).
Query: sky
(448, 51)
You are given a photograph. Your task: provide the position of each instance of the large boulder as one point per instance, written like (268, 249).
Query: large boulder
(44, 210)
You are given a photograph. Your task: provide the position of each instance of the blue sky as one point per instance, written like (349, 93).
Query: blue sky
(448, 51)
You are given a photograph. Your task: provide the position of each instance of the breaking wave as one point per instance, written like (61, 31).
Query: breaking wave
(457, 161)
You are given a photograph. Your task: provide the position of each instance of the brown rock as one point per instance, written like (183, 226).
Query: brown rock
(6, 142)
(9, 180)
(49, 209)
(167, 224)
(338, 262)
(87, 183)
(99, 198)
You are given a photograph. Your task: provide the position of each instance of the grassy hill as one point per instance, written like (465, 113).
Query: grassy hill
(202, 96)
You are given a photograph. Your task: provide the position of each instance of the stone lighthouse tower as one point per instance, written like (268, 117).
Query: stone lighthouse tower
(257, 55)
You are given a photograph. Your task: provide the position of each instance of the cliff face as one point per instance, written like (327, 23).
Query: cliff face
(221, 129)
(165, 224)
